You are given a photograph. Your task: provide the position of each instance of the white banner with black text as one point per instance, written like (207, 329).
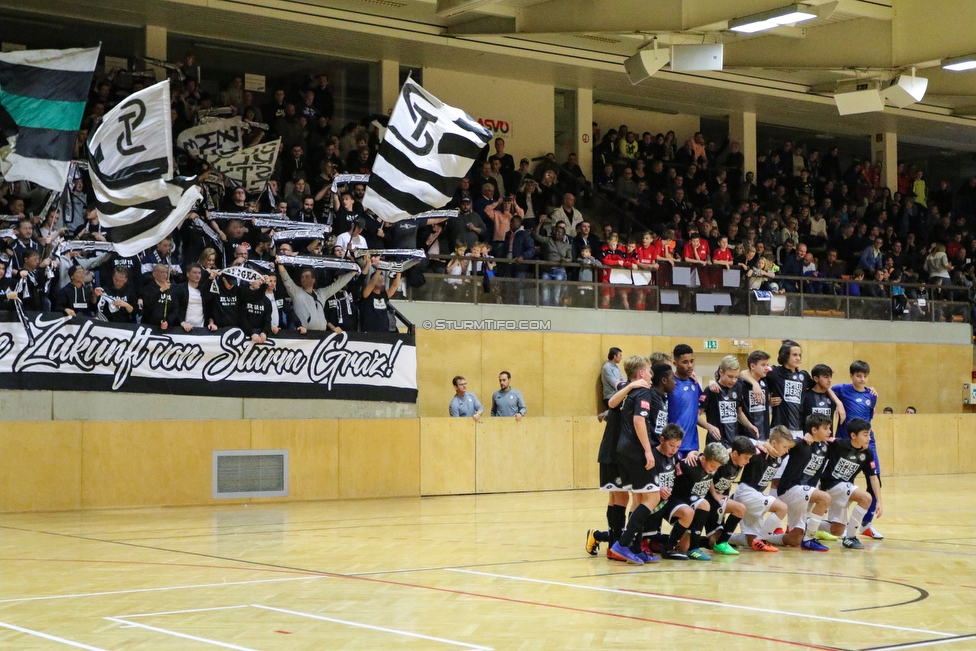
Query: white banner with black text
(76, 354)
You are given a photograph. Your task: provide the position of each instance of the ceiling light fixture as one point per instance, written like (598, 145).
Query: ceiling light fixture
(789, 15)
(960, 64)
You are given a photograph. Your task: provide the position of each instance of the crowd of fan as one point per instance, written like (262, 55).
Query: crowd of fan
(801, 215)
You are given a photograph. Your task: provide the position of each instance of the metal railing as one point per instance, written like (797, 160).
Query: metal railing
(525, 282)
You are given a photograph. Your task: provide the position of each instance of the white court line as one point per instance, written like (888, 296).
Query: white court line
(704, 604)
(164, 631)
(918, 645)
(180, 612)
(174, 587)
(376, 628)
(27, 631)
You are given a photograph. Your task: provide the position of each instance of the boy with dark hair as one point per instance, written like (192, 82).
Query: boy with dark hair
(742, 449)
(846, 458)
(688, 508)
(755, 408)
(859, 401)
(805, 504)
(686, 398)
(756, 477)
(662, 386)
(817, 400)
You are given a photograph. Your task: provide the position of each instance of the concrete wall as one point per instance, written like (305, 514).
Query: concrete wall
(611, 116)
(527, 108)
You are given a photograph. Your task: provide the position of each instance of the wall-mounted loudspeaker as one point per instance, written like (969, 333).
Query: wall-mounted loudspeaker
(645, 63)
(697, 57)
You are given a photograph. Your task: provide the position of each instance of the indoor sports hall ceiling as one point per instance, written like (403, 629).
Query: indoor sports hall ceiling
(787, 75)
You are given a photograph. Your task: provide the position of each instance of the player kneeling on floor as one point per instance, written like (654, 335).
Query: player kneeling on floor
(756, 477)
(688, 509)
(806, 505)
(719, 502)
(846, 458)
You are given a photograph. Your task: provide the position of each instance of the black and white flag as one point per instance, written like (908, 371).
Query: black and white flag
(428, 148)
(131, 164)
(210, 141)
(251, 167)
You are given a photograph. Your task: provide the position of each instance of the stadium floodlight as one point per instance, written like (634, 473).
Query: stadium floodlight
(960, 64)
(788, 15)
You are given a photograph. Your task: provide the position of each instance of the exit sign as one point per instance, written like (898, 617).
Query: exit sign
(710, 344)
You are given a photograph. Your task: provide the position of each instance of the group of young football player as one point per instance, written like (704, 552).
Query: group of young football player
(769, 434)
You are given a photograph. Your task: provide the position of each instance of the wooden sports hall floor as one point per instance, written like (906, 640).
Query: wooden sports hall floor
(486, 572)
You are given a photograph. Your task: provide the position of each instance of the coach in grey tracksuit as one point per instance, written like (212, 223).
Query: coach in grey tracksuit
(507, 401)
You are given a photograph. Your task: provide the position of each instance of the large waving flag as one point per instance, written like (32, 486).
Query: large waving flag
(428, 147)
(131, 165)
(44, 93)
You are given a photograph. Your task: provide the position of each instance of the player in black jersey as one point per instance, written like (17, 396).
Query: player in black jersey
(806, 505)
(664, 464)
(688, 508)
(719, 415)
(719, 502)
(755, 408)
(817, 400)
(846, 458)
(751, 492)
(635, 456)
(610, 479)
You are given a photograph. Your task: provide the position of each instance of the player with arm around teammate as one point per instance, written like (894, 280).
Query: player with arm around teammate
(806, 504)
(846, 458)
(751, 492)
(688, 509)
(740, 452)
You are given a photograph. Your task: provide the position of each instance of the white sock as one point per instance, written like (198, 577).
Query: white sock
(739, 540)
(825, 526)
(770, 525)
(776, 539)
(813, 524)
(855, 522)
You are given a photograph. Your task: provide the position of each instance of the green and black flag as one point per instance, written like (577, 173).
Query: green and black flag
(42, 103)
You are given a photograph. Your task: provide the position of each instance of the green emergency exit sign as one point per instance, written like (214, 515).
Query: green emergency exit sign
(711, 344)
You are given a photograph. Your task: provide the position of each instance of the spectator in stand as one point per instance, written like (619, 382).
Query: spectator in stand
(375, 311)
(467, 227)
(568, 212)
(583, 239)
(160, 300)
(696, 250)
(872, 258)
(309, 301)
(507, 163)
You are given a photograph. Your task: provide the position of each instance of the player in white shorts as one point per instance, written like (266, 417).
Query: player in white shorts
(751, 492)
(846, 458)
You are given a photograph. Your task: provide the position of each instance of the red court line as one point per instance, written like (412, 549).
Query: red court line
(590, 612)
(661, 594)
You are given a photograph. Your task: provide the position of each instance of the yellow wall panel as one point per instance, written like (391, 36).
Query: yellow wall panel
(442, 354)
(587, 435)
(146, 463)
(881, 358)
(967, 442)
(379, 458)
(447, 456)
(838, 355)
(40, 466)
(954, 368)
(572, 364)
(534, 454)
(642, 345)
(519, 353)
(918, 376)
(926, 444)
(313, 455)
(884, 439)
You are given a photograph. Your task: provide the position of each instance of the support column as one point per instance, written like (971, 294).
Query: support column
(389, 84)
(584, 130)
(742, 129)
(884, 152)
(156, 47)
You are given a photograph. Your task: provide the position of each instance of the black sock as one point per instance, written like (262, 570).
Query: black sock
(635, 525)
(731, 523)
(677, 530)
(617, 522)
(601, 536)
(694, 530)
